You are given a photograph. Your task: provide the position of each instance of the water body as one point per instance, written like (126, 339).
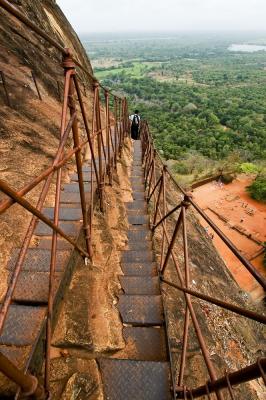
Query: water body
(248, 48)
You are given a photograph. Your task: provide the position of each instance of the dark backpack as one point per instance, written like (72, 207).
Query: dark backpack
(135, 121)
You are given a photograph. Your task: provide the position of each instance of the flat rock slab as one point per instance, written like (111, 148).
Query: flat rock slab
(140, 285)
(143, 344)
(22, 325)
(139, 269)
(69, 228)
(135, 380)
(141, 310)
(39, 260)
(136, 256)
(33, 287)
(65, 214)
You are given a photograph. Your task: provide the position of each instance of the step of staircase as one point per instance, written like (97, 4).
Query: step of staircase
(135, 380)
(141, 370)
(140, 285)
(145, 344)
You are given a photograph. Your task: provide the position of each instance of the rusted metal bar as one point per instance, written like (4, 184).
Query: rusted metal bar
(241, 376)
(157, 203)
(187, 280)
(259, 278)
(171, 244)
(152, 177)
(101, 132)
(229, 386)
(263, 373)
(83, 112)
(148, 170)
(166, 216)
(98, 127)
(109, 171)
(5, 204)
(5, 88)
(68, 73)
(116, 129)
(228, 306)
(164, 222)
(72, 107)
(148, 182)
(120, 127)
(30, 230)
(197, 329)
(155, 187)
(28, 383)
(147, 166)
(36, 84)
(208, 392)
(24, 203)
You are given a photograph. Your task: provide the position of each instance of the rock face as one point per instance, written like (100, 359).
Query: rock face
(29, 133)
(29, 127)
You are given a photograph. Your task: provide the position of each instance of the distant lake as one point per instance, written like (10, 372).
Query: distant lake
(249, 48)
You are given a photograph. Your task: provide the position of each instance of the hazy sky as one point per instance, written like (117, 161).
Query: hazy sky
(152, 15)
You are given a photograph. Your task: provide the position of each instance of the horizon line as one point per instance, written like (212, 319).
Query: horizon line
(258, 31)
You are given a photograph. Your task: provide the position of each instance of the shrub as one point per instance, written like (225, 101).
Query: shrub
(248, 168)
(181, 169)
(226, 178)
(257, 189)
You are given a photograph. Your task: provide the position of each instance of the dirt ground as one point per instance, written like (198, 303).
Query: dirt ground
(242, 219)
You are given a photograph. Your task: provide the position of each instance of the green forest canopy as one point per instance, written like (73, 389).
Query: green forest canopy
(196, 94)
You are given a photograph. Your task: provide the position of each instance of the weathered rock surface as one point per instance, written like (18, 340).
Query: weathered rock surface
(29, 128)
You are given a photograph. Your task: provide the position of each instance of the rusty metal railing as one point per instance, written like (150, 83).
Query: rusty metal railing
(158, 179)
(109, 137)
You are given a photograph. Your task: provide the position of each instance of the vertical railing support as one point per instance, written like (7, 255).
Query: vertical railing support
(108, 144)
(185, 205)
(98, 128)
(171, 245)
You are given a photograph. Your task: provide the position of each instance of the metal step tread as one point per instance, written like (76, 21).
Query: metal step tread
(142, 343)
(140, 285)
(139, 269)
(65, 214)
(39, 260)
(137, 256)
(135, 380)
(140, 310)
(138, 219)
